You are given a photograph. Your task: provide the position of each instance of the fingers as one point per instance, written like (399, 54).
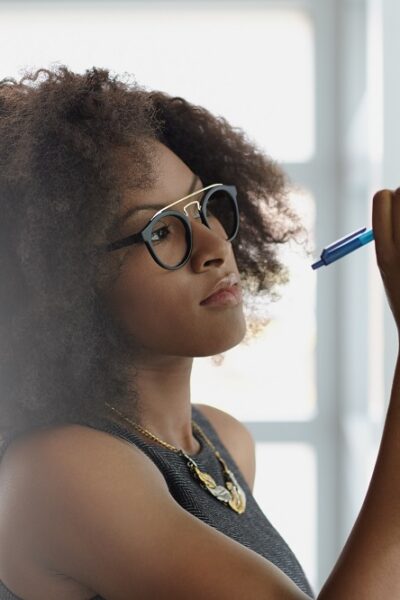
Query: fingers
(386, 226)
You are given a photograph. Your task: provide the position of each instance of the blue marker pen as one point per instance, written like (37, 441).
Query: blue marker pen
(344, 246)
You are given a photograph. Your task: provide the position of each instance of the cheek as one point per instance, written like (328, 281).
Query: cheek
(150, 310)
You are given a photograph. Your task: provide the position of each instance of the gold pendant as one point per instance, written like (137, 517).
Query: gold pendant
(232, 494)
(238, 502)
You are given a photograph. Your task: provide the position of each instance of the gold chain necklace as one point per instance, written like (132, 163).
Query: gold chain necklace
(231, 494)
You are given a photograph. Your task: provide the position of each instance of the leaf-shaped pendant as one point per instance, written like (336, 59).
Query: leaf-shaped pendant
(232, 494)
(238, 501)
(238, 496)
(205, 478)
(221, 493)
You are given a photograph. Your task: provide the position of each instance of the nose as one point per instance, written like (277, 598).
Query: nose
(209, 247)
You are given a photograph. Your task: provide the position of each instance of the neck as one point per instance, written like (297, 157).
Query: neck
(164, 405)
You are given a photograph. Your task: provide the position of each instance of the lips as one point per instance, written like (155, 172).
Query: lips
(230, 296)
(229, 284)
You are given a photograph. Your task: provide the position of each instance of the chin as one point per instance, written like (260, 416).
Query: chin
(217, 346)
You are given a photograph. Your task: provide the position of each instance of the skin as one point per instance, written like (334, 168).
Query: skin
(161, 309)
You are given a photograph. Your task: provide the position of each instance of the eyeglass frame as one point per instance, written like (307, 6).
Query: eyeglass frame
(144, 235)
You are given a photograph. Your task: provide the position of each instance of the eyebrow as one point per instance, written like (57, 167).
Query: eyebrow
(133, 210)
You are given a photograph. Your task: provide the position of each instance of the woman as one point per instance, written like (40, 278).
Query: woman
(131, 220)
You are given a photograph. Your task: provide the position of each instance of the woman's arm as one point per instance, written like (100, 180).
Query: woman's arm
(369, 565)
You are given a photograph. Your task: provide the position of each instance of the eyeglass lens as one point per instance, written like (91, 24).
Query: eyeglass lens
(168, 235)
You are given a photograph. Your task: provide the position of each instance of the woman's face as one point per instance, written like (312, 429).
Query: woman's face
(160, 308)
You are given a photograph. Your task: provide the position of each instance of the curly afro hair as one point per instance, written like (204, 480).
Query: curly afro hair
(61, 354)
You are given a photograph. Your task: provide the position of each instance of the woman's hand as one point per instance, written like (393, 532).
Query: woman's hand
(386, 226)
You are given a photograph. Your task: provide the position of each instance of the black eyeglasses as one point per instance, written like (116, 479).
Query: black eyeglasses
(168, 234)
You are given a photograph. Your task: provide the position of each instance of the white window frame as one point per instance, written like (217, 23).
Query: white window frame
(340, 177)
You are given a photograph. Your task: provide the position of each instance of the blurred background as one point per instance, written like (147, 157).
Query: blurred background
(314, 83)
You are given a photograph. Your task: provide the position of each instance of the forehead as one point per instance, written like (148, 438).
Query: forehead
(174, 180)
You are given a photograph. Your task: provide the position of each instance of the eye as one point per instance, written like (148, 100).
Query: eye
(161, 234)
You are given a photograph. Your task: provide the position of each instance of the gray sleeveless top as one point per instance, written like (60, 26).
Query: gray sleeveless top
(251, 528)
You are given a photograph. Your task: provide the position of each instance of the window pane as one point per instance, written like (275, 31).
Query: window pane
(251, 64)
(273, 376)
(285, 489)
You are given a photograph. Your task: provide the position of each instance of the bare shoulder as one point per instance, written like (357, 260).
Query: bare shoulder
(58, 447)
(220, 417)
(44, 477)
(236, 437)
(43, 456)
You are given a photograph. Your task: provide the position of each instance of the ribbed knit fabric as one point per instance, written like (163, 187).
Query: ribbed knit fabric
(251, 529)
